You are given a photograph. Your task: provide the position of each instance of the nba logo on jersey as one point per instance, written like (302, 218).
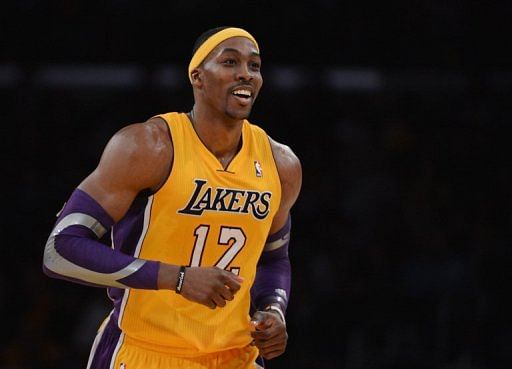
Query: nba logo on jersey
(257, 166)
(122, 366)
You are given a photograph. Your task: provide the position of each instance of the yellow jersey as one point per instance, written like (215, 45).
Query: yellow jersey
(204, 215)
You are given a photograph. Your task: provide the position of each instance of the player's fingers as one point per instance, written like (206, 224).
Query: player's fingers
(261, 335)
(233, 284)
(211, 304)
(229, 275)
(261, 322)
(258, 318)
(264, 325)
(208, 302)
(264, 330)
(278, 341)
(237, 277)
(271, 354)
(272, 351)
(226, 293)
(218, 300)
(269, 334)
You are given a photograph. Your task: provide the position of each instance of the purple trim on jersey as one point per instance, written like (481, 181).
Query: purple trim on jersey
(102, 356)
(116, 295)
(125, 236)
(273, 273)
(127, 232)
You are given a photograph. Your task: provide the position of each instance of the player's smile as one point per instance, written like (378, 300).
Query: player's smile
(244, 94)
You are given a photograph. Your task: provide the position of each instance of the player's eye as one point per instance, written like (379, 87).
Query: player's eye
(229, 61)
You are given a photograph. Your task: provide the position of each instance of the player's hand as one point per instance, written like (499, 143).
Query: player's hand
(270, 335)
(210, 286)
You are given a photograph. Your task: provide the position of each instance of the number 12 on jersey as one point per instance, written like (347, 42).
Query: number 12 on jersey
(232, 237)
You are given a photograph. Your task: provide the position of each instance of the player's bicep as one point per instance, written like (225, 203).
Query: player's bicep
(110, 184)
(114, 199)
(132, 161)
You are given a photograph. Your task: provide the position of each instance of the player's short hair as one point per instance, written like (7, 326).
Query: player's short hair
(204, 36)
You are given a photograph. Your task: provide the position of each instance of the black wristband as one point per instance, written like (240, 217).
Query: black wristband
(181, 279)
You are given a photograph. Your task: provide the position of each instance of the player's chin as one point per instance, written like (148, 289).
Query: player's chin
(239, 114)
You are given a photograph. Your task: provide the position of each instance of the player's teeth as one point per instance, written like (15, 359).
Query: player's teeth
(242, 92)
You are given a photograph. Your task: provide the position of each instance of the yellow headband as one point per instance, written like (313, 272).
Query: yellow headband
(210, 44)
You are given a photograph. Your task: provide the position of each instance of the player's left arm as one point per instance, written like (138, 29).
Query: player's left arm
(271, 288)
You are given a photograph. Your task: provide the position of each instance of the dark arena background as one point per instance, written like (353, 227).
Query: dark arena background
(399, 112)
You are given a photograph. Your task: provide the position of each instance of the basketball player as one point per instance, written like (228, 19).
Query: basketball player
(198, 206)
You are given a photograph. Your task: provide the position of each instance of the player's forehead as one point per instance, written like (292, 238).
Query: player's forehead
(240, 45)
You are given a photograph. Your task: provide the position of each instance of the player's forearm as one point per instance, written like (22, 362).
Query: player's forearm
(73, 251)
(86, 261)
(273, 280)
(272, 284)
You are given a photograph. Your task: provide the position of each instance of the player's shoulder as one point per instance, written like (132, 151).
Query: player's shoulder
(154, 128)
(141, 153)
(149, 137)
(284, 156)
(288, 165)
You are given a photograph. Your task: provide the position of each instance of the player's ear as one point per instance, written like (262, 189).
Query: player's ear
(196, 77)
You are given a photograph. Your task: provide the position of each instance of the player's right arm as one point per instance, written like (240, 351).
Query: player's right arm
(137, 158)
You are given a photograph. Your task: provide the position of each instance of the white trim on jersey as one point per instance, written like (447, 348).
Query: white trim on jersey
(97, 340)
(116, 350)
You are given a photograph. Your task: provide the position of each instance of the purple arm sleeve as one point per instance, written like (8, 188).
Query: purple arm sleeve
(273, 274)
(74, 252)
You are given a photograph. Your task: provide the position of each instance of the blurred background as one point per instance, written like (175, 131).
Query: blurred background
(399, 112)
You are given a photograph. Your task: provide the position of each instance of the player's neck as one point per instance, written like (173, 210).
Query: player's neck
(223, 137)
